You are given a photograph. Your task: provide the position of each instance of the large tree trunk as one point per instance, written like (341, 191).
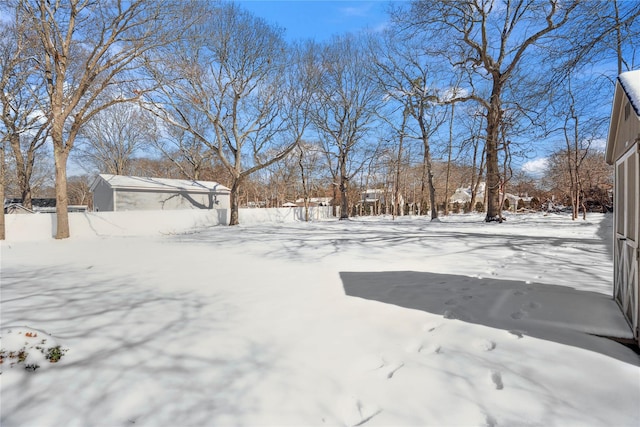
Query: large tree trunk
(305, 190)
(60, 156)
(24, 168)
(344, 188)
(344, 200)
(493, 169)
(429, 171)
(234, 219)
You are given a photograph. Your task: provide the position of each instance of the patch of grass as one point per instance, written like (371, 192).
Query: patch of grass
(19, 355)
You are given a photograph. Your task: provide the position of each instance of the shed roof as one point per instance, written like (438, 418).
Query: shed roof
(630, 82)
(159, 184)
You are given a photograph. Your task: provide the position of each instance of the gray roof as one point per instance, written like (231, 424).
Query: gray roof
(159, 184)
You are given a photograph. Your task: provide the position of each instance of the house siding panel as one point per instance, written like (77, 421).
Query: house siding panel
(130, 200)
(103, 197)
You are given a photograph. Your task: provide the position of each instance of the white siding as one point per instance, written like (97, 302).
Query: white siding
(131, 200)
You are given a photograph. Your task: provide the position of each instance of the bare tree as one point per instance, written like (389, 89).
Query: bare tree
(108, 142)
(408, 76)
(237, 72)
(86, 49)
(24, 124)
(488, 40)
(344, 108)
(188, 153)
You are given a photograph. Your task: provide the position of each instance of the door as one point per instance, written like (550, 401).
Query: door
(627, 223)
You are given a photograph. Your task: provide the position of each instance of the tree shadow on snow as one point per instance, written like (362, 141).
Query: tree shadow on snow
(135, 354)
(549, 312)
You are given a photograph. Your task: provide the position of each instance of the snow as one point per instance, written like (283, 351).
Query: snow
(630, 81)
(369, 321)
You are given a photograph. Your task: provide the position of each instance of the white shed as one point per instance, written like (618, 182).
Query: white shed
(133, 193)
(623, 151)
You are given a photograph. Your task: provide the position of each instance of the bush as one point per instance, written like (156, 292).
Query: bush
(535, 203)
(479, 207)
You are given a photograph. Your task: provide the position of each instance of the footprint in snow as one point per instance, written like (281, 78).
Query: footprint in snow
(430, 327)
(518, 315)
(430, 349)
(531, 304)
(355, 412)
(414, 347)
(391, 369)
(496, 378)
(519, 293)
(490, 421)
(368, 364)
(517, 334)
(485, 345)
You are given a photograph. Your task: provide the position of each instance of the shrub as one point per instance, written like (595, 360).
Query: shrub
(535, 203)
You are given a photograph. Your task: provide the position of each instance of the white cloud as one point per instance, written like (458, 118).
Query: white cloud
(536, 166)
(599, 144)
(361, 10)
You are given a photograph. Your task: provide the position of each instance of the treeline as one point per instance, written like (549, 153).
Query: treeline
(450, 94)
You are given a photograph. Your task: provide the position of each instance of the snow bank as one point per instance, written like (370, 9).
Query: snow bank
(280, 215)
(145, 223)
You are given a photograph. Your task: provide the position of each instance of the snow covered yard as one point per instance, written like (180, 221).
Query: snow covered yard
(362, 322)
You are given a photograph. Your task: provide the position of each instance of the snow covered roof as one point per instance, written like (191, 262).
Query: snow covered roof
(630, 82)
(159, 184)
(627, 86)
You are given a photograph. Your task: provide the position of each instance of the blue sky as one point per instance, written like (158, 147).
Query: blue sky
(317, 19)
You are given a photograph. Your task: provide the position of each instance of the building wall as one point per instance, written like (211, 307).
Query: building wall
(132, 200)
(628, 129)
(626, 158)
(103, 197)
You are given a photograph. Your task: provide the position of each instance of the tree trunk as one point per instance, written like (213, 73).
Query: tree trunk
(344, 187)
(234, 197)
(23, 168)
(305, 190)
(423, 186)
(429, 171)
(60, 156)
(492, 189)
(449, 153)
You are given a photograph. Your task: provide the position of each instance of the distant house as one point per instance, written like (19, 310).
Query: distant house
(132, 193)
(373, 195)
(16, 208)
(38, 205)
(623, 151)
(462, 196)
(315, 201)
